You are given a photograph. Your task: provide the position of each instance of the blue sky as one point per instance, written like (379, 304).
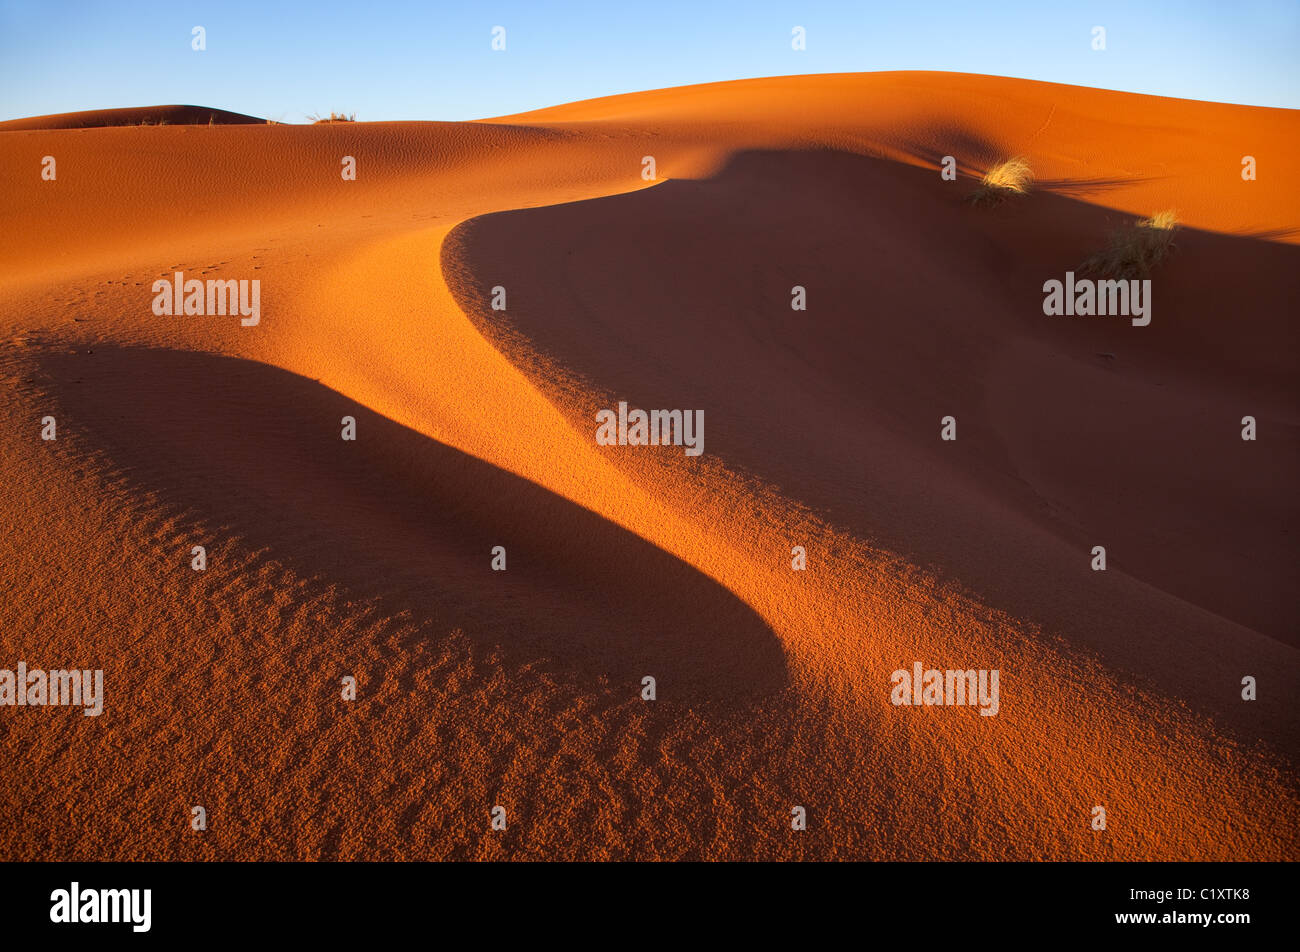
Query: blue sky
(433, 60)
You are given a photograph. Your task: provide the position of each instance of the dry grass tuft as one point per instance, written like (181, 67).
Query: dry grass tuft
(334, 117)
(1135, 249)
(1012, 177)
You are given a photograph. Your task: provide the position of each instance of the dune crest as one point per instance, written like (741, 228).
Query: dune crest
(134, 116)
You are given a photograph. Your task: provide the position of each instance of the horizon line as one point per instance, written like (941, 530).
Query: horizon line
(654, 89)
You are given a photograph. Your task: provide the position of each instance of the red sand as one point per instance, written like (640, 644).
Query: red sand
(477, 688)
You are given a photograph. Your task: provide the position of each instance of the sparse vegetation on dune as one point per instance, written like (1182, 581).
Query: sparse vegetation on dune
(1136, 248)
(1012, 177)
(334, 117)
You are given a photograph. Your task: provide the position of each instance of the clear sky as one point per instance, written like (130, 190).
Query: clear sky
(433, 59)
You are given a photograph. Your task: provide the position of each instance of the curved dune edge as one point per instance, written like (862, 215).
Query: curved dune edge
(1016, 786)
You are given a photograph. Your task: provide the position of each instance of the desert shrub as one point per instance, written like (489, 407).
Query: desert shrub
(1136, 248)
(1002, 181)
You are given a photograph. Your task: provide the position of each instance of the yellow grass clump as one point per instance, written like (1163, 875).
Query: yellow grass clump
(1135, 249)
(1003, 180)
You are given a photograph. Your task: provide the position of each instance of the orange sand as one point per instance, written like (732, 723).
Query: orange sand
(475, 429)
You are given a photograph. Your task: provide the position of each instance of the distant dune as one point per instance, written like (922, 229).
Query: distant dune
(142, 116)
(475, 429)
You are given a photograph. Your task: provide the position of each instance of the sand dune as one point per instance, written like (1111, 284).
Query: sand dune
(136, 116)
(475, 429)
